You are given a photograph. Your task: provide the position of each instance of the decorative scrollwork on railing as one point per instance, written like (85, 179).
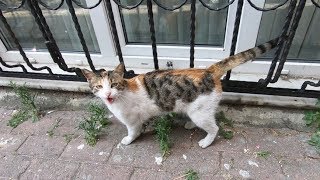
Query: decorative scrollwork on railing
(170, 8)
(12, 8)
(127, 7)
(51, 8)
(316, 4)
(306, 83)
(266, 9)
(216, 9)
(86, 7)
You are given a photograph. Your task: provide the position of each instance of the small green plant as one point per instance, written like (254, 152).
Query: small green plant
(28, 109)
(94, 124)
(222, 122)
(315, 140)
(50, 132)
(191, 175)
(263, 154)
(163, 129)
(312, 118)
(18, 118)
(68, 137)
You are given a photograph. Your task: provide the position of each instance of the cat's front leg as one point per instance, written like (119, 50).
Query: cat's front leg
(134, 131)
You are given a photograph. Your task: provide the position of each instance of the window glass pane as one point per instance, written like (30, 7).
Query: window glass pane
(173, 27)
(61, 25)
(306, 43)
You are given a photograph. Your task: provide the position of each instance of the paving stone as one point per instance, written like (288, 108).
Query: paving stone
(140, 153)
(244, 166)
(5, 115)
(68, 124)
(50, 169)
(103, 172)
(10, 143)
(43, 146)
(12, 166)
(301, 168)
(277, 142)
(186, 154)
(78, 150)
(147, 174)
(236, 144)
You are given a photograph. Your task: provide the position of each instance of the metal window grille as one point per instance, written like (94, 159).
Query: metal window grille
(280, 56)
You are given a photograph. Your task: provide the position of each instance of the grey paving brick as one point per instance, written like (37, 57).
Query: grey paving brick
(43, 146)
(5, 115)
(50, 169)
(146, 174)
(301, 168)
(103, 172)
(282, 142)
(10, 143)
(68, 124)
(12, 166)
(78, 150)
(245, 166)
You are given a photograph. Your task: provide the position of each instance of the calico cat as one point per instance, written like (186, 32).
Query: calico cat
(195, 92)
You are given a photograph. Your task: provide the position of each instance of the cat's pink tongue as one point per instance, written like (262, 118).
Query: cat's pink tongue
(110, 100)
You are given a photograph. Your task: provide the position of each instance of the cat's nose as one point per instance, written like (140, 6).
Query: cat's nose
(108, 94)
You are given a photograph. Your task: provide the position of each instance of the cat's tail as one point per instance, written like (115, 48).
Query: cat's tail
(231, 62)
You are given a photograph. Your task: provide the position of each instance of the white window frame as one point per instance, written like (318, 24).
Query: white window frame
(140, 59)
(107, 55)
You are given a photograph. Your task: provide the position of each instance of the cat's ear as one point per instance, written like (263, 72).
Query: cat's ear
(88, 74)
(119, 69)
(104, 73)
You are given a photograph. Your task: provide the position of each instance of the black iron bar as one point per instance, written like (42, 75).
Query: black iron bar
(47, 35)
(114, 30)
(316, 4)
(306, 83)
(80, 34)
(19, 47)
(13, 66)
(153, 36)
(285, 28)
(192, 32)
(292, 32)
(235, 34)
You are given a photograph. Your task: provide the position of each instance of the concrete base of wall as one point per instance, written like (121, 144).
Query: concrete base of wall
(243, 109)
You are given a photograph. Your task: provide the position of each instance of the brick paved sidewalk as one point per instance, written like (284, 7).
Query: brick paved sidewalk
(27, 152)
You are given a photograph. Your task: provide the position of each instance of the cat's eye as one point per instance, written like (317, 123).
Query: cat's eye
(114, 85)
(98, 87)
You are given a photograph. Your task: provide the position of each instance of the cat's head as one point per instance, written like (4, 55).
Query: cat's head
(107, 85)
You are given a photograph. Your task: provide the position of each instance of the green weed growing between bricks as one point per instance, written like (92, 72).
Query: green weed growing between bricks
(312, 118)
(94, 124)
(163, 129)
(189, 175)
(28, 109)
(224, 122)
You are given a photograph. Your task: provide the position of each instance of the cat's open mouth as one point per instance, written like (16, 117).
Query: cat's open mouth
(110, 99)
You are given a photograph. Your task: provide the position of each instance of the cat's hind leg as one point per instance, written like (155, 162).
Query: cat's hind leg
(189, 125)
(202, 113)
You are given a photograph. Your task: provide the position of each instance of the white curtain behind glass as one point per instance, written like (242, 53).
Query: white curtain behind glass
(306, 43)
(173, 27)
(61, 25)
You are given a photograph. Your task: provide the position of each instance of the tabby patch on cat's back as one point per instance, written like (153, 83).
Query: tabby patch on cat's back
(195, 92)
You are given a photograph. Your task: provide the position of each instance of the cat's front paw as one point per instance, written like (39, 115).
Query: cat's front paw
(127, 140)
